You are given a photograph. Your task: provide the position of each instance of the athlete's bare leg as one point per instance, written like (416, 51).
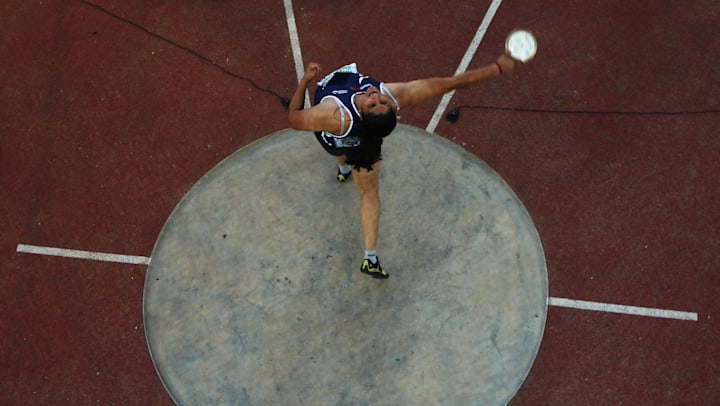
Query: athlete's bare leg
(367, 183)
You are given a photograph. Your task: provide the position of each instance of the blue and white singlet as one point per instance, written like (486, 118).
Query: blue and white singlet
(342, 86)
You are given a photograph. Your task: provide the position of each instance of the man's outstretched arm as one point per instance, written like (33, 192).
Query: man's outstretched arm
(420, 90)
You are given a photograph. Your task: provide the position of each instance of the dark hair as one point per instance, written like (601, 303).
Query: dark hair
(375, 128)
(381, 124)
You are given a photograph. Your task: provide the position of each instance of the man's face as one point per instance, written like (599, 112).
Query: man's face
(374, 102)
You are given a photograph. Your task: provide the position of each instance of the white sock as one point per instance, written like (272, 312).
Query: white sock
(371, 255)
(345, 169)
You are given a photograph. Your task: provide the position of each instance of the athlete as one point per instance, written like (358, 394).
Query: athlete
(351, 115)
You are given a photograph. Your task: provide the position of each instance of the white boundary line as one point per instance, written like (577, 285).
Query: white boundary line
(622, 309)
(295, 45)
(551, 301)
(95, 256)
(469, 53)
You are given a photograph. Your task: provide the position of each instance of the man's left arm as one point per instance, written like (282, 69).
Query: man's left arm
(299, 118)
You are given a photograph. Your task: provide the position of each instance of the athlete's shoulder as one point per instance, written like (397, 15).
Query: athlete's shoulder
(319, 117)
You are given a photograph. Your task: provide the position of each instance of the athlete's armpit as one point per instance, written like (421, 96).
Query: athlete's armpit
(322, 117)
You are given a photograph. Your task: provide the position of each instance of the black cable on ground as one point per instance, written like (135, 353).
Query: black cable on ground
(454, 114)
(284, 100)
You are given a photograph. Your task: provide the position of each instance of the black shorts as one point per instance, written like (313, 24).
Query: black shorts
(331, 149)
(360, 156)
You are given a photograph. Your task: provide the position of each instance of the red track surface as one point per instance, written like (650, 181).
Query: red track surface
(105, 127)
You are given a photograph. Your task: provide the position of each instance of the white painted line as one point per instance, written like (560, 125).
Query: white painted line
(95, 256)
(551, 301)
(622, 309)
(295, 45)
(469, 54)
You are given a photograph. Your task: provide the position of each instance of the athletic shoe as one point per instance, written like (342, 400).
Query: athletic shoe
(374, 270)
(342, 177)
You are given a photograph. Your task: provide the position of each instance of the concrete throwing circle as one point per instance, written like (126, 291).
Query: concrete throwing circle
(254, 293)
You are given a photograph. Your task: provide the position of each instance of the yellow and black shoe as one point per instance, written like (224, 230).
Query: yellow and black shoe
(374, 270)
(342, 177)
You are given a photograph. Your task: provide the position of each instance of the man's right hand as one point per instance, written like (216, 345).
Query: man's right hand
(508, 64)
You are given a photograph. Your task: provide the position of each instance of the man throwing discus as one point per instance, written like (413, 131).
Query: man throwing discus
(351, 115)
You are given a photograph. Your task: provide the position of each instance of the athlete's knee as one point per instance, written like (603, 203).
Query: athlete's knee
(369, 192)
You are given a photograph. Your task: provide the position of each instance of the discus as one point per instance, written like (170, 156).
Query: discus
(521, 45)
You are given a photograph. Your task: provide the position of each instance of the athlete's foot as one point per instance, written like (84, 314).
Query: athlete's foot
(374, 270)
(342, 177)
